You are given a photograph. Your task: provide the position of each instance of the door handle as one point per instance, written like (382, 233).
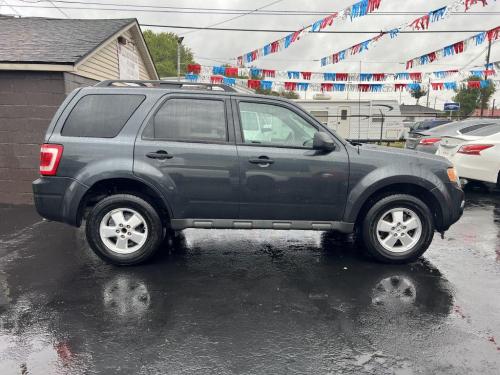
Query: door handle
(160, 154)
(263, 161)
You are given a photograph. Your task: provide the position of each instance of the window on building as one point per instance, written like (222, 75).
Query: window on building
(321, 116)
(343, 114)
(100, 116)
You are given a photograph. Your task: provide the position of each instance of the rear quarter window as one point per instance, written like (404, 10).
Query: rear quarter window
(100, 115)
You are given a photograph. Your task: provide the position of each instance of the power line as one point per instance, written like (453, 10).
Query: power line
(236, 17)
(200, 10)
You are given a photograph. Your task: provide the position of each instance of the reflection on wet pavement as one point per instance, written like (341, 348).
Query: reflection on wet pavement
(226, 302)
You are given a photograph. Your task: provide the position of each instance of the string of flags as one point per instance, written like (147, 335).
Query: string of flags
(455, 48)
(194, 70)
(359, 9)
(419, 24)
(264, 84)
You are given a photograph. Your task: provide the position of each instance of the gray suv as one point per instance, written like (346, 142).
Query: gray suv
(139, 160)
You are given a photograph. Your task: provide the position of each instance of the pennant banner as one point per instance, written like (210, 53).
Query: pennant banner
(356, 10)
(421, 23)
(260, 74)
(255, 84)
(455, 48)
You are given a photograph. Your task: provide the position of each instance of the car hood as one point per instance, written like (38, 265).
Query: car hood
(390, 153)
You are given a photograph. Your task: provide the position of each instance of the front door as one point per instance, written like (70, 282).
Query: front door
(282, 177)
(344, 121)
(187, 151)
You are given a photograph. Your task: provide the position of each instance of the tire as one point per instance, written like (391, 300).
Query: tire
(383, 225)
(498, 181)
(137, 243)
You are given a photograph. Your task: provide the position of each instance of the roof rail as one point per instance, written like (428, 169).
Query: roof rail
(165, 85)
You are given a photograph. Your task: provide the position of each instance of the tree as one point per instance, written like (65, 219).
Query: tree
(418, 93)
(163, 48)
(471, 98)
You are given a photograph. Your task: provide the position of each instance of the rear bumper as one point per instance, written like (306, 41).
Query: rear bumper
(57, 198)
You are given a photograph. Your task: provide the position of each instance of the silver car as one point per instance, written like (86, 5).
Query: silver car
(428, 140)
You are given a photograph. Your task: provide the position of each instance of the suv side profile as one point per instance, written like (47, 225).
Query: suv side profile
(136, 163)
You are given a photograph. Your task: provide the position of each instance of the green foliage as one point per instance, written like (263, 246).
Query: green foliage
(470, 99)
(283, 93)
(163, 48)
(417, 94)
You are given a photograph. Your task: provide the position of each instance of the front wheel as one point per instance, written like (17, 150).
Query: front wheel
(397, 229)
(124, 229)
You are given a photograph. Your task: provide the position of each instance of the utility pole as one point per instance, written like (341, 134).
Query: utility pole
(435, 100)
(487, 64)
(428, 91)
(179, 43)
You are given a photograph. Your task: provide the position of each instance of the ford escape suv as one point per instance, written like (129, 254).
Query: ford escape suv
(137, 160)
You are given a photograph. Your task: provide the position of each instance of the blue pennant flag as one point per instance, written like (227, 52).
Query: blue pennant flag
(288, 40)
(359, 9)
(402, 75)
(376, 87)
(324, 61)
(437, 14)
(218, 70)
(448, 51)
(393, 33)
(439, 74)
(414, 86)
(229, 81)
(365, 77)
(191, 77)
(266, 85)
(293, 74)
(255, 72)
(364, 45)
(342, 55)
(316, 26)
(424, 59)
(476, 73)
(485, 84)
(480, 38)
(267, 49)
(339, 86)
(450, 85)
(329, 76)
(302, 86)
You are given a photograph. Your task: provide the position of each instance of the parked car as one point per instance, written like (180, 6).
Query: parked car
(136, 163)
(428, 141)
(427, 125)
(475, 155)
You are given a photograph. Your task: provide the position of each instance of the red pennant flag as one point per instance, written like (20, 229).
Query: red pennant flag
(416, 76)
(342, 76)
(493, 34)
(290, 86)
(194, 68)
(306, 75)
(268, 73)
(373, 5)
(378, 76)
(437, 85)
(231, 72)
(399, 86)
(326, 86)
(253, 84)
(474, 84)
(216, 79)
(458, 47)
(327, 21)
(363, 87)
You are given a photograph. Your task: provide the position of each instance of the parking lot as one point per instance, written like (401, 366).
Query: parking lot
(227, 302)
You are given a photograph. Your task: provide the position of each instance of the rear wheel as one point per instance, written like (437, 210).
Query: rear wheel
(397, 229)
(124, 229)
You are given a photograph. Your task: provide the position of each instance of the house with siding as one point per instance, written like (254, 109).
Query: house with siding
(41, 61)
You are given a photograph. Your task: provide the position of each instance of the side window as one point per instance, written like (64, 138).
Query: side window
(190, 120)
(274, 125)
(101, 115)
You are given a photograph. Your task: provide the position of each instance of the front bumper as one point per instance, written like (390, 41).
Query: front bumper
(57, 198)
(456, 206)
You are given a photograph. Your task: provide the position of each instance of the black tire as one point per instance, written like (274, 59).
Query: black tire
(150, 215)
(498, 181)
(369, 228)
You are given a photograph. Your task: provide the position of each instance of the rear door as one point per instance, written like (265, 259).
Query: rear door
(187, 150)
(282, 177)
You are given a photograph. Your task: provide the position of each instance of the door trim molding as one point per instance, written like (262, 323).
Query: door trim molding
(340, 226)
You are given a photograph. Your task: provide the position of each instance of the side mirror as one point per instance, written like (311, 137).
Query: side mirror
(323, 142)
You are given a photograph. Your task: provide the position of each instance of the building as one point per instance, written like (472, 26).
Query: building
(41, 61)
(414, 113)
(487, 112)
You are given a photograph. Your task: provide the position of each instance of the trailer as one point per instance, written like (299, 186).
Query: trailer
(366, 120)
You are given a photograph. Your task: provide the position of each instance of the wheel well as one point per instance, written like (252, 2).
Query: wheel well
(410, 189)
(104, 188)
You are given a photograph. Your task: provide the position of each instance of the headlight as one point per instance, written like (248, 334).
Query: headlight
(453, 176)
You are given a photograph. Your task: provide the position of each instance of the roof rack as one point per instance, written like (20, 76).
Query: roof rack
(165, 85)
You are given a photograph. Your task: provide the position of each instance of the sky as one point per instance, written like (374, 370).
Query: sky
(216, 47)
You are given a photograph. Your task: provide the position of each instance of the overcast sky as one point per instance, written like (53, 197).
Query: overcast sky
(212, 47)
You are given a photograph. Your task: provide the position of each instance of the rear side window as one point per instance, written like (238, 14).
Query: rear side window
(482, 130)
(100, 116)
(190, 120)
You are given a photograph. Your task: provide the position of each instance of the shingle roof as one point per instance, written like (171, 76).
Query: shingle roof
(405, 108)
(49, 40)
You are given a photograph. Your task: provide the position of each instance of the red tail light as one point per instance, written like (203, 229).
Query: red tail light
(429, 141)
(50, 156)
(473, 149)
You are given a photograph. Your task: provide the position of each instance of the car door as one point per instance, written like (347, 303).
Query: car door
(186, 149)
(281, 176)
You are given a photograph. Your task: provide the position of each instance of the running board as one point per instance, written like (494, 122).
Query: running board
(179, 224)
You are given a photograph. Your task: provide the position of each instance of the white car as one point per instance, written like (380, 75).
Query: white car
(476, 156)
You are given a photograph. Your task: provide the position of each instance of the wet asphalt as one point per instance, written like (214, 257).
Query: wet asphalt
(258, 302)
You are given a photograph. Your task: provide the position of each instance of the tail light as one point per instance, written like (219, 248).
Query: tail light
(429, 141)
(473, 149)
(50, 156)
